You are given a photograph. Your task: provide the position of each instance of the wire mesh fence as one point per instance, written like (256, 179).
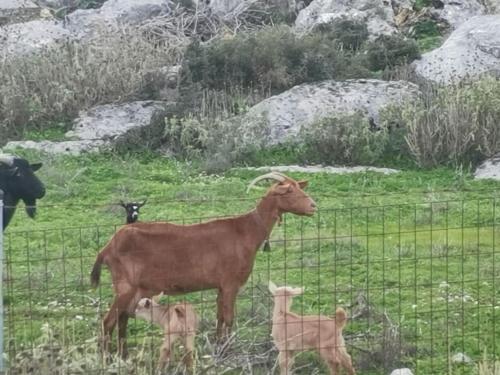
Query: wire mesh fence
(419, 284)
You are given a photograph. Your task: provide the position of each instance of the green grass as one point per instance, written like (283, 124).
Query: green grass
(413, 255)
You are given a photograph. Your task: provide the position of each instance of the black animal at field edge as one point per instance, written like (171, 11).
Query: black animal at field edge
(19, 182)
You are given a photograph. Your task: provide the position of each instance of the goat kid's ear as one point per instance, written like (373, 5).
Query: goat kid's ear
(299, 291)
(123, 204)
(272, 287)
(283, 189)
(303, 184)
(143, 203)
(36, 166)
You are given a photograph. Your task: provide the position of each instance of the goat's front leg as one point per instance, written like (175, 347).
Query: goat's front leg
(228, 302)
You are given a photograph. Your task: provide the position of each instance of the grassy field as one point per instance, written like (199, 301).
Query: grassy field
(411, 256)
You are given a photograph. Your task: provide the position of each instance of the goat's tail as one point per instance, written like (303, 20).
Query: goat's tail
(340, 318)
(95, 275)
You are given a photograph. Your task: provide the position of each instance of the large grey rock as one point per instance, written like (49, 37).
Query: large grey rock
(109, 121)
(472, 49)
(284, 115)
(29, 37)
(456, 12)
(15, 11)
(378, 14)
(490, 168)
(108, 126)
(23, 38)
(113, 14)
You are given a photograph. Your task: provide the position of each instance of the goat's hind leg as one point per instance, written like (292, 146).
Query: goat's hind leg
(285, 361)
(118, 308)
(122, 335)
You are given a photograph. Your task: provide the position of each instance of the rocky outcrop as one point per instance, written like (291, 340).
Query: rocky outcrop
(114, 13)
(283, 116)
(30, 37)
(130, 125)
(472, 49)
(378, 14)
(456, 12)
(34, 36)
(16, 11)
(490, 168)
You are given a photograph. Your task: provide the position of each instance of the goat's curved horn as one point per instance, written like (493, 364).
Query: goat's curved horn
(283, 175)
(7, 159)
(270, 176)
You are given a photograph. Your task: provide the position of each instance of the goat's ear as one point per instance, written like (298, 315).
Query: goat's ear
(180, 311)
(143, 203)
(303, 184)
(36, 166)
(122, 203)
(283, 189)
(272, 287)
(147, 303)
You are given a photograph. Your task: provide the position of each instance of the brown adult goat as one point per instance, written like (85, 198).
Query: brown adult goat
(146, 259)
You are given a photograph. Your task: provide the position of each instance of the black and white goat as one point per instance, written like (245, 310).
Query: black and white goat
(19, 182)
(132, 210)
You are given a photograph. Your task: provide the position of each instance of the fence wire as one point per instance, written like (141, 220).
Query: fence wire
(419, 284)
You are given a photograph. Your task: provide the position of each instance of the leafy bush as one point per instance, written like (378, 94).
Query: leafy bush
(345, 139)
(219, 144)
(54, 85)
(453, 125)
(272, 58)
(388, 51)
(349, 33)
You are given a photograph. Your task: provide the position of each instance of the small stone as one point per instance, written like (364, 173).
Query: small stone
(461, 358)
(402, 371)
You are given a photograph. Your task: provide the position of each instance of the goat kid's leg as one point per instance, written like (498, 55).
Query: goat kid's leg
(189, 356)
(164, 355)
(285, 361)
(346, 362)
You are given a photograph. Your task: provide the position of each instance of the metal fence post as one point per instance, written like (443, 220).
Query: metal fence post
(1, 283)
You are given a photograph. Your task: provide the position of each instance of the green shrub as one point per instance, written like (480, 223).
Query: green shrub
(344, 139)
(349, 33)
(388, 51)
(272, 59)
(453, 125)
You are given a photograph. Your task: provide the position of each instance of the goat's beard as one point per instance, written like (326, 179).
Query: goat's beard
(30, 207)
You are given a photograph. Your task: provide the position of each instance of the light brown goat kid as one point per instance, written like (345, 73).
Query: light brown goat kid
(294, 333)
(148, 258)
(179, 323)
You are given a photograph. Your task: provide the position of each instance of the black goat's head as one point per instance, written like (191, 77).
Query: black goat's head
(132, 210)
(18, 181)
